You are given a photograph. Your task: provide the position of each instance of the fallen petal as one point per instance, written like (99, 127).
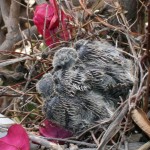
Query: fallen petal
(42, 17)
(15, 139)
(52, 23)
(50, 129)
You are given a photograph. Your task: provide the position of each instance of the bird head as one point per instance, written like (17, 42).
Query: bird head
(64, 58)
(45, 86)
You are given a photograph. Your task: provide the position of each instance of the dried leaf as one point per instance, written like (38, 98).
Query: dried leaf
(140, 118)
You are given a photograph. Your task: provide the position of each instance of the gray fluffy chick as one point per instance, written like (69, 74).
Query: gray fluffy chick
(105, 56)
(75, 113)
(96, 65)
(64, 58)
(75, 76)
(108, 59)
(85, 84)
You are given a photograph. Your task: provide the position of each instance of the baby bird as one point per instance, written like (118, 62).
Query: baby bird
(103, 56)
(85, 84)
(68, 71)
(75, 75)
(96, 65)
(75, 113)
(67, 58)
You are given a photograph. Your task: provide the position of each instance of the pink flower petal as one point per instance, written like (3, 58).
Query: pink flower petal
(16, 139)
(6, 146)
(51, 129)
(52, 23)
(42, 16)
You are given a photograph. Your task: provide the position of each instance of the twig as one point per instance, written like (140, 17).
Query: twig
(12, 61)
(45, 143)
(146, 97)
(113, 128)
(11, 19)
(126, 25)
(30, 76)
(4, 10)
(146, 146)
(98, 18)
(94, 138)
(9, 43)
(68, 141)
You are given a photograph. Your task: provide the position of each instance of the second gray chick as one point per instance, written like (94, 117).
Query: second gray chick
(74, 113)
(95, 65)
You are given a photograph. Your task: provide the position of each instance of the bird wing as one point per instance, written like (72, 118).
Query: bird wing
(96, 51)
(106, 58)
(66, 111)
(99, 80)
(97, 106)
(103, 56)
(75, 80)
(86, 79)
(110, 82)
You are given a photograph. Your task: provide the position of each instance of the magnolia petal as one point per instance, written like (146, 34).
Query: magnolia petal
(42, 17)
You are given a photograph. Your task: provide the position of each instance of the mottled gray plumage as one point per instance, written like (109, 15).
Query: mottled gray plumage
(78, 77)
(78, 112)
(96, 66)
(85, 84)
(67, 58)
(68, 71)
(108, 59)
(105, 56)
(72, 112)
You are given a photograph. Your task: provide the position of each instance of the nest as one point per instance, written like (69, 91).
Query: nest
(97, 20)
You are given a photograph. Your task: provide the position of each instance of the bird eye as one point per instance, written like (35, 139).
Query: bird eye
(58, 68)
